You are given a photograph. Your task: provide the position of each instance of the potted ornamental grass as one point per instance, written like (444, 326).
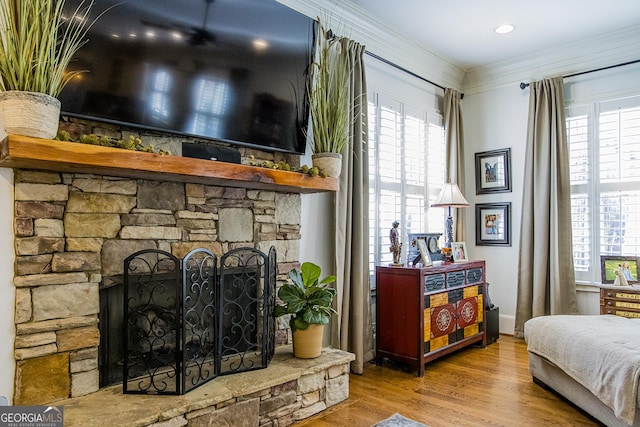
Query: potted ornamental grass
(329, 109)
(308, 300)
(38, 40)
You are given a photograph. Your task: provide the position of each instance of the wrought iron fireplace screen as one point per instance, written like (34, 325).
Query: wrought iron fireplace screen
(185, 324)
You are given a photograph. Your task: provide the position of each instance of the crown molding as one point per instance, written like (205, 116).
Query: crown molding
(592, 53)
(381, 40)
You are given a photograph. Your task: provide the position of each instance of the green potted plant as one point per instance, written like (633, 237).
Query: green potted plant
(309, 302)
(329, 108)
(37, 42)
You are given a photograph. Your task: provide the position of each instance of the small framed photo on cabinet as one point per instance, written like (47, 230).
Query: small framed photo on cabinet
(619, 269)
(424, 253)
(493, 171)
(460, 253)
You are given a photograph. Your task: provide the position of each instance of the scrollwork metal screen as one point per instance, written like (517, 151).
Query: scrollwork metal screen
(186, 321)
(246, 310)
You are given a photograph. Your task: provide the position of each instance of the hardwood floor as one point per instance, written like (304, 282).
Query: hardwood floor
(472, 387)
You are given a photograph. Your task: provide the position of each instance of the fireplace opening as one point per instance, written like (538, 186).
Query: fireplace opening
(169, 325)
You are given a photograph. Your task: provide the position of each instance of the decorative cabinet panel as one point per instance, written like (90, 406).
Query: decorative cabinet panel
(621, 301)
(425, 313)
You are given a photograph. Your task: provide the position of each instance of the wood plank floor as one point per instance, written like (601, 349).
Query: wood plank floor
(472, 387)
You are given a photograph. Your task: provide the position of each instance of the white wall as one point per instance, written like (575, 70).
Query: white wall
(317, 229)
(493, 120)
(7, 293)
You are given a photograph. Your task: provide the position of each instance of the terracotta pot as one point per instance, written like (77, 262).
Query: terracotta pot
(307, 343)
(331, 163)
(30, 113)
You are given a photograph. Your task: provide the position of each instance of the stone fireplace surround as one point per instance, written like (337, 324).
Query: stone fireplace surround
(73, 229)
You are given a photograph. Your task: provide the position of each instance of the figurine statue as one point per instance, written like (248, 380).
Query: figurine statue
(395, 245)
(621, 279)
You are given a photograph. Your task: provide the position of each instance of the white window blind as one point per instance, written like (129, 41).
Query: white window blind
(604, 147)
(210, 103)
(161, 83)
(406, 172)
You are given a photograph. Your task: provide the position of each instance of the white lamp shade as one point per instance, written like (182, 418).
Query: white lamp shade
(450, 197)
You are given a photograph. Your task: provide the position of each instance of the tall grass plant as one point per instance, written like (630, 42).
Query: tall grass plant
(329, 95)
(38, 42)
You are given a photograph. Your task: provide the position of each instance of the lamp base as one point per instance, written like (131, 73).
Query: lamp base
(448, 226)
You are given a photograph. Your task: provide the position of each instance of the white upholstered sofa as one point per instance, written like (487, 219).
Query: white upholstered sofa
(593, 361)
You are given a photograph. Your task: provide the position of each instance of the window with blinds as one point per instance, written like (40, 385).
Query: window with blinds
(604, 148)
(406, 173)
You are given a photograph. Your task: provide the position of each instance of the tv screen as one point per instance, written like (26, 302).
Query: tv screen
(225, 70)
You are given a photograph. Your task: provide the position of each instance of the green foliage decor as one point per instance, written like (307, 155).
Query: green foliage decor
(284, 166)
(329, 95)
(132, 143)
(38, 42)
(307, 298)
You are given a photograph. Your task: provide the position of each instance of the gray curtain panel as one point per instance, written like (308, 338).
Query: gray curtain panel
(353, 332)
(455, 154)
(546, 280)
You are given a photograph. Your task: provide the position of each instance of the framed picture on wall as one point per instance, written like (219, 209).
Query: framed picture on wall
(493, 224)
(493, 171)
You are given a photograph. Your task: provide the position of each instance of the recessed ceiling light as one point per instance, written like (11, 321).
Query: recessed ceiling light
(504, 29)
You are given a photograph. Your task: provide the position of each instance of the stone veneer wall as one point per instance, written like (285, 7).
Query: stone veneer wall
(74, 229)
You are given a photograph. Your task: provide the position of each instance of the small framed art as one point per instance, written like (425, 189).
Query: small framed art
(493, 224)
(614, 265)
(460, 253)
(424, 253)
(493, 171)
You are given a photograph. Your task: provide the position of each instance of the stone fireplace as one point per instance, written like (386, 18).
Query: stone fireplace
(81, 210)
(73, 230)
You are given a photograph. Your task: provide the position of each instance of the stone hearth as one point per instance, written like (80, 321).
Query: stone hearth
(287, 391)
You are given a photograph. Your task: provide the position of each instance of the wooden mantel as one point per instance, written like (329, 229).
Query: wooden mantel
(35, 153)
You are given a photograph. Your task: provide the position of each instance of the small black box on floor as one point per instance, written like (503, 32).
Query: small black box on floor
(211, 152)
(493, 324)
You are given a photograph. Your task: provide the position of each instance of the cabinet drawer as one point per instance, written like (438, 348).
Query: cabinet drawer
(628, 295)
(455, 278)
(620, 312)
(621, 304)
(474, 275)
(434, 282)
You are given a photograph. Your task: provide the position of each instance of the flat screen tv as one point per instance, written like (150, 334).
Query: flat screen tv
(224, 70)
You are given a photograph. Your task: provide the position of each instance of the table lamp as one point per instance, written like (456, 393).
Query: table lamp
(450, 197)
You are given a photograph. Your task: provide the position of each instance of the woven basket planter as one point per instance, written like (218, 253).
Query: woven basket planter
(30, 113)
(331, 163)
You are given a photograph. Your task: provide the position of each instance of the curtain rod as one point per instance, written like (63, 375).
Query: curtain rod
(386, 61)
(525, 85)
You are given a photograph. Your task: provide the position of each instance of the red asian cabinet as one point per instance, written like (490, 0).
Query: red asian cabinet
(425, 313)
